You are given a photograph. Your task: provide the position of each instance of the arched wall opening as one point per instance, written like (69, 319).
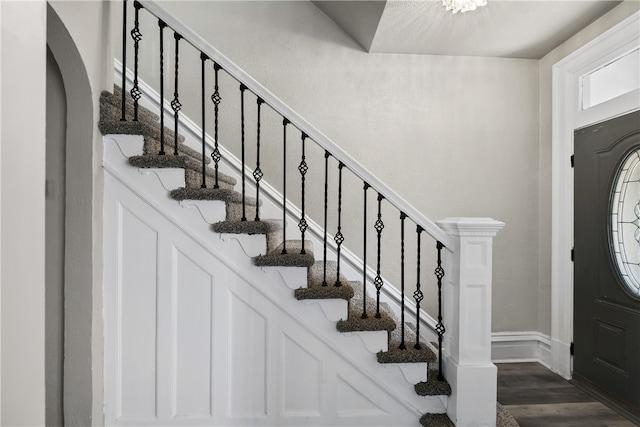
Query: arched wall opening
(77, 304)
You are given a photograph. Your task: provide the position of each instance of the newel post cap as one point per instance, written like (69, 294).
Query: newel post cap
(455, 226)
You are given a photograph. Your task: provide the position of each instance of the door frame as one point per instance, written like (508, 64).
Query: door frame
(567, 116)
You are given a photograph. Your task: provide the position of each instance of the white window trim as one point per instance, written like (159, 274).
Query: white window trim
(567, 116)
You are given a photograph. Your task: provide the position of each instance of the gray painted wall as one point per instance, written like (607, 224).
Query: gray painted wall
(22, 213)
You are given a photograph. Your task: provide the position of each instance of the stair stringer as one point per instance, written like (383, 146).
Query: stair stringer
(206, 338)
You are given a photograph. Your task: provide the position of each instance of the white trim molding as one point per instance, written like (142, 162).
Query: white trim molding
(516, 347)
(568, 116)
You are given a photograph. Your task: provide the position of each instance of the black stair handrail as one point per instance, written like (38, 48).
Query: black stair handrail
(290, 117)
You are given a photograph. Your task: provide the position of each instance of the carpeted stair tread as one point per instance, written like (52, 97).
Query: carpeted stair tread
(247, 227)
(114, 100)
(504, 417)
(152, 146)
(436, 420)
(193, 179)
(144, 113)
(179, 161)
(356, 303)
(409, 335)
(355, 322)
(315, 290)
(315, 279)
(110, 123)
(433, 387)
(407, 355)
(293, 257)
(316, 274)
(222, 194)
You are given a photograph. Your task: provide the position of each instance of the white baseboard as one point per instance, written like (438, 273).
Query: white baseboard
(514, 347)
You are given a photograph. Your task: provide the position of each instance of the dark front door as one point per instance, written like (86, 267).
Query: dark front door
(607, 259)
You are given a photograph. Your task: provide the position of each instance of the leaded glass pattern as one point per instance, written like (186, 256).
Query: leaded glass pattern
(625, 222)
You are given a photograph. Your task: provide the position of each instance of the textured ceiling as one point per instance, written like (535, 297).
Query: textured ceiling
(503, 28)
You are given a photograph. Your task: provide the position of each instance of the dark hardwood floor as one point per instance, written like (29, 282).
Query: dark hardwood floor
(536, 397)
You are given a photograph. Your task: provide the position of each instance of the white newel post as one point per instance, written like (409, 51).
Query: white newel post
(467, 319)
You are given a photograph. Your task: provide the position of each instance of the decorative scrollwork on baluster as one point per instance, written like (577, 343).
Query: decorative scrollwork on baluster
(303, 168)
(216, 99)
(378, 282)
(136, 35)
(257, 173)
(175, 103)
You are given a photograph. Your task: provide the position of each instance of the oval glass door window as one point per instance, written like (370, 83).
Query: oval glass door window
(625, 222)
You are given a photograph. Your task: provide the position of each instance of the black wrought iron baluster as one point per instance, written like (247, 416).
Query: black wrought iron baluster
(162, 26)
(339, 238)
(137, 36)
(285, 122)
(379, 226)
(303, 168)
(123, 117)
(257, 173)
(216, 99)
(203, 59)
(439, 272)
(175, 104)
(403, 216)
(364, 256)
(326, 202)
(244, 203)
(417, 295)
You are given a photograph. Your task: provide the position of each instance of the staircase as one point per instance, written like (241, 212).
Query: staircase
(187, 161)
(214, 317)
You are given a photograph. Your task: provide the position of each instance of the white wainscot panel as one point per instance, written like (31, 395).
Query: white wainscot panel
(192, 290)
(136, 302)
(475, 301)
(247, 356)
(302, 380)
(353, 402)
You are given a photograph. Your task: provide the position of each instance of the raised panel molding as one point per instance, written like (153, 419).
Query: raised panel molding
(136, 317)
(247, 351)
(475, 301)
(301, 380)
(192, 339)
(354, 403)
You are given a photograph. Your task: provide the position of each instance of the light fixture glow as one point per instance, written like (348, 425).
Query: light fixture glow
(456, 6)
